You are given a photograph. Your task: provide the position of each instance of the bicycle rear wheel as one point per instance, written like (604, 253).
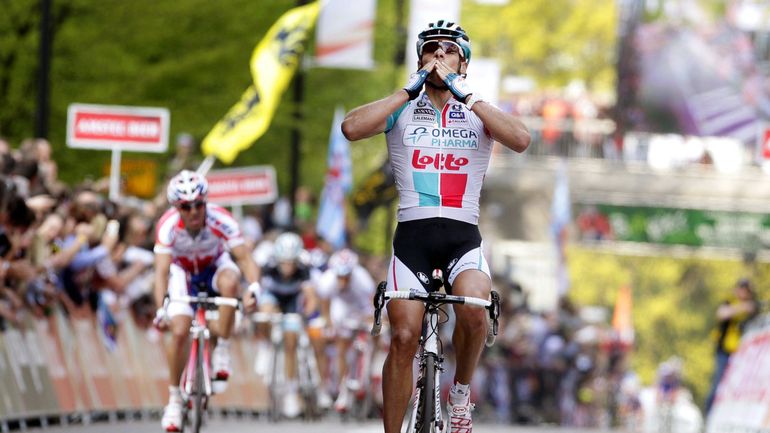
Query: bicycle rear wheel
(198, 389)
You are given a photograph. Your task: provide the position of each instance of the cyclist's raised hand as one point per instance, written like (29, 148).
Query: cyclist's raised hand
(454, 81)
(417, 79)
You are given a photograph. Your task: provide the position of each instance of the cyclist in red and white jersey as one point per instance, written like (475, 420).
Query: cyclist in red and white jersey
(439, 142)
(192, 242)
(346, 289)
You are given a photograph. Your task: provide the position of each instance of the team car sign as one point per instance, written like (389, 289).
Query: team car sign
(113, 127)
(247, 185)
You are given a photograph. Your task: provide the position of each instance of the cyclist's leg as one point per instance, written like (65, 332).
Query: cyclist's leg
(177, 349)
(226, 282)
(405, 319)
(471, 325)
(181, 318)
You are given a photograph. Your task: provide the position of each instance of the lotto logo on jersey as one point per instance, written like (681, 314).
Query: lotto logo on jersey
(437, 188)
(439, 161)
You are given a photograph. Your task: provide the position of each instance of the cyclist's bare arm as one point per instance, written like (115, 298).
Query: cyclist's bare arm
(162, 268)
(250, 272)
(372, 118)
(503, 127)
(311, 297)
(245, 263)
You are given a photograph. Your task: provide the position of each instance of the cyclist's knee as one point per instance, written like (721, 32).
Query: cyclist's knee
(227, 283)
(471, 319)
(404, 339)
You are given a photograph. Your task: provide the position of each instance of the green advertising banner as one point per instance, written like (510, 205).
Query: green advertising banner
(671, 226)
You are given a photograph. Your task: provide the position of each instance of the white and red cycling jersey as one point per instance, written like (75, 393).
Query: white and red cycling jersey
(439, 159)
(194, 254)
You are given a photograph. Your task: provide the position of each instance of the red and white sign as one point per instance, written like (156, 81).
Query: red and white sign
(247, 185)
(113, 127)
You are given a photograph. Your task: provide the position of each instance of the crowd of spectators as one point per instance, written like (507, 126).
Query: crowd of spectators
(567, 367)
(72, 247)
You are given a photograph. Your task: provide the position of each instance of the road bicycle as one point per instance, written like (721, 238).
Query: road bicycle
(360, 383)
(426, 415)
(195, 384)
(308, 377)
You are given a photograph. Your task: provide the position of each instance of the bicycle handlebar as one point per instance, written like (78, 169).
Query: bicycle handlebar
(493, 305)
(211, 300)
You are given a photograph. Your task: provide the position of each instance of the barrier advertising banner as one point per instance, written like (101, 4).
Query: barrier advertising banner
(742, 403)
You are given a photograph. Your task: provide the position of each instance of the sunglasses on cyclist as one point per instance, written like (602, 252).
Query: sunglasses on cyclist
(186, 206)
(448, 47)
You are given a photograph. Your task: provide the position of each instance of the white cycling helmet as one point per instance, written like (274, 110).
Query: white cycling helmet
(287, 247)
(187, 186)
(343, 262)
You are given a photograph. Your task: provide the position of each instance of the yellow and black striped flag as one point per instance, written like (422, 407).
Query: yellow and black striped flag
(273, 63)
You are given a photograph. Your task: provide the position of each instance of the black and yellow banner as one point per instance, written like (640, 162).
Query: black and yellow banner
(273, 63)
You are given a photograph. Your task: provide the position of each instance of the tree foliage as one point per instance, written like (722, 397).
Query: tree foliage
(551, 41)
(674, 302)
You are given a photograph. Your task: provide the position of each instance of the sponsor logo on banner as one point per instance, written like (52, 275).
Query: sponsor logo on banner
(250, 185)
(108, 127)
(457, 138)
(439, 161)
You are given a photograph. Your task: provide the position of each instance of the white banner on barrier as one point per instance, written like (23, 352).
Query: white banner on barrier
(743, 400)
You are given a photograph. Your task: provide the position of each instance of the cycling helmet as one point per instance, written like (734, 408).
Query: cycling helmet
(343, 261)
(287, 247)
(443, 29)
(187, 186)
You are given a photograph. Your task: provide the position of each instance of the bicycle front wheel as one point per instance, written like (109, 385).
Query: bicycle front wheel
(426, 410)
(199, 389)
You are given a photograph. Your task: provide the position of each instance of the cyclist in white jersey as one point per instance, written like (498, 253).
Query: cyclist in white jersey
(439, 142)
(193, 238)
(346, 289)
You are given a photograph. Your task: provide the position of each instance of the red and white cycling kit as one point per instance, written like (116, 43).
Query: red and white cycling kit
(439, 160)
(203, 255)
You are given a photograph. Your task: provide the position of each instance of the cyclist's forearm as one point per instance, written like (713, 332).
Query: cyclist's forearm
(503, 127)
(162, 267)
(371, 119)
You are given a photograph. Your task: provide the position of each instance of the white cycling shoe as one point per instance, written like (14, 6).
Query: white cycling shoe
(172, 416)
(324, 400)
(291, 405)
(220, 363)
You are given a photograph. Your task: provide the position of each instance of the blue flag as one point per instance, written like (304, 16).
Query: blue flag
(561, 216)
(339, 180)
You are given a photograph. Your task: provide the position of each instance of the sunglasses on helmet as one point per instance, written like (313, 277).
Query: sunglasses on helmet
(186, 206)
(448, 47)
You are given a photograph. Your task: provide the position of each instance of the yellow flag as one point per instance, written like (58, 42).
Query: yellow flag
(273, 64)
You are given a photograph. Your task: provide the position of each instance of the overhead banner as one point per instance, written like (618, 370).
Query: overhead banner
(344, 34)
(273, 63)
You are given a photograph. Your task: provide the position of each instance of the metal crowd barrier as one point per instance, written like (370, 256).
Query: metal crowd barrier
(57, 370)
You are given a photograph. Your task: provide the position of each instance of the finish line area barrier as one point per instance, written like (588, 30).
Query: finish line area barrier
(57, 370)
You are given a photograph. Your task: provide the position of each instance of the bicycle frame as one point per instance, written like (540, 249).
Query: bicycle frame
(429, 352)
(195, 383)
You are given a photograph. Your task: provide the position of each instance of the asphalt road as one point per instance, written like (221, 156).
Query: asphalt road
(250, 425)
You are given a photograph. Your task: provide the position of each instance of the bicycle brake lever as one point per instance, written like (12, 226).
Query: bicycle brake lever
(494, 312)
(379, 302)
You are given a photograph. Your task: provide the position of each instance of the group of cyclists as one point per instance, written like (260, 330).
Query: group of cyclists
(440, 135)
(200, 242)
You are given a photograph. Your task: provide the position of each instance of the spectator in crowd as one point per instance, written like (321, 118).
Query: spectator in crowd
(732, 316)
